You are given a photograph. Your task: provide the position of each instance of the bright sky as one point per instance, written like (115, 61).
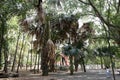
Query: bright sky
(86, 19)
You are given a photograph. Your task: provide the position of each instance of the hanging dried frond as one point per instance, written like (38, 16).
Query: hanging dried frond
(50, 48)
(86, 31)
(25, 25)
(33, 32)
(74, 27)
(85, 27)
(35, 44)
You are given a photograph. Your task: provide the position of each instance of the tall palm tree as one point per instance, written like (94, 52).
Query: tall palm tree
(41, 32)
(15, 54)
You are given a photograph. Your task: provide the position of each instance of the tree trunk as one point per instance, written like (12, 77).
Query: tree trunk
(39, 60)
(76, 62)
(0, 49)
(111, 57)
(15, 54)
(27, 60)
(22, 58)
(44, 55)
(20, 55)
(101, 62)
(44, 60)
(5, 57)
(1, 40)
(83, 63)
(35, 62)
(42, 23)
(3, 43)
(71, 65)
(44, 63)
(31, 54)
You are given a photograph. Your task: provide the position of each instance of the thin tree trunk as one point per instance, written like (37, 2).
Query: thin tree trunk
(22, 58)
(83, 63)
(1, 56)
(111, 57)
(109, 45)
(0, 49)
(27, 60)
(31, 54)
(39, 53)
(118, 8)
(4, 44)
(35, 62)
(15, 54)
(1, 40)
(20, 55)
(5, 57)
(71, 65)
(101, 61)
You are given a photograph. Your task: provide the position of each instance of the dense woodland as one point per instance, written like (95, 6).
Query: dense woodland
(36, 34)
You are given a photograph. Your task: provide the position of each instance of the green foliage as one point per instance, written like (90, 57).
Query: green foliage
(79, 44)
(115, 19)
(74, 51)
(104, 51)
(66, 49)
(71, 51)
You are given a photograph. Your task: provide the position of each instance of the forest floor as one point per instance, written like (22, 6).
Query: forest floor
(62, 75)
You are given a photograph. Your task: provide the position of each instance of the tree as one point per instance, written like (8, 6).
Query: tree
(106, 18)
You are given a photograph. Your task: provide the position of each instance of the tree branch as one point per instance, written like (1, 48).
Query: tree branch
(84, 2)
(39, 2)
(118, 9)
(100, 16)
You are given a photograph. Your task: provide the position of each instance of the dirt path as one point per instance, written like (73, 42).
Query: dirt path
(61, 75)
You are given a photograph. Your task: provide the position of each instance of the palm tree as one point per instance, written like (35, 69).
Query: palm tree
(42, 35)
(15, 54)
(20, 54)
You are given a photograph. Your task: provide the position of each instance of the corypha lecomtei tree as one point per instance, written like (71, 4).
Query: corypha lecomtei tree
(42, 33)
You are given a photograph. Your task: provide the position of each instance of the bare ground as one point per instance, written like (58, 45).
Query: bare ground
(62, 75)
